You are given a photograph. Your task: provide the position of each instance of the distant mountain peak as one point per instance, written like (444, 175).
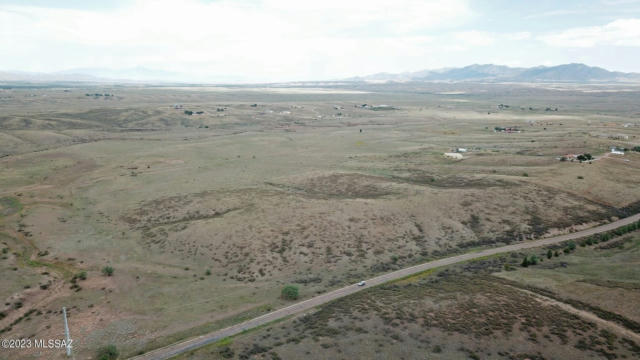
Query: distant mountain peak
(573, 72)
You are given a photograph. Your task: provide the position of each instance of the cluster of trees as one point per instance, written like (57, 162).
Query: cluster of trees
(584, 157)
(591, 240)
(534, 259)
(604, 237)
(189, 112)
(571, 245)
(530, 260)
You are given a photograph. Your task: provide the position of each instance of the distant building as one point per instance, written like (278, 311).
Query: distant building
(615, 150)
(456, 156)
(570, 157)
(506, 129)
(461, 150)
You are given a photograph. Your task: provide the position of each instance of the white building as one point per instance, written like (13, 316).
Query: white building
(456, 156)
(616, 151)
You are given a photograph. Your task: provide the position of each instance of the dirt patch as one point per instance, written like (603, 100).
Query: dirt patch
(341, 186)
(422, 177)
(180, 209)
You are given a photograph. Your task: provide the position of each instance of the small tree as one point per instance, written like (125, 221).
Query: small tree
(289, 292)
(571, 245)
(108, 270)
(549, 254)
(109, 352)
(556, 253)
(525, 262)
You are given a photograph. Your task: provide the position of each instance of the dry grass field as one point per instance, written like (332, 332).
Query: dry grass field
(205, 217)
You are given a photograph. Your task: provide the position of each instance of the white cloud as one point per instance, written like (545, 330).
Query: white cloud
(523, 35)
(269, 37)
(277, 40)
(621, 32)
(474, 38)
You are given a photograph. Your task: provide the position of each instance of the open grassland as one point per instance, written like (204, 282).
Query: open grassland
(466, 312)
(205, 217)
(605, 276)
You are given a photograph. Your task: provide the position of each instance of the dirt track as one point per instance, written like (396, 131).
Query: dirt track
(188, 345)
(612, 326)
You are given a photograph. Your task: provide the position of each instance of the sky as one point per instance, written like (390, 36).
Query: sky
(297, 40)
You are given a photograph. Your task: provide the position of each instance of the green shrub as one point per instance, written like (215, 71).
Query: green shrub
(549, 254)
(525, 262)
(226, 352)
(108, 352)
(108, 270)
(290, 292)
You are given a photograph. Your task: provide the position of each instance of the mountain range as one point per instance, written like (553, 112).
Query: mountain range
(577, 73)
(109, 75)
(499, 73)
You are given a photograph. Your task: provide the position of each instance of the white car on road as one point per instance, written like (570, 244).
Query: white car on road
(362, 283)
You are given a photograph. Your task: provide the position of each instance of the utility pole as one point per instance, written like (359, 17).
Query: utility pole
(66, 331)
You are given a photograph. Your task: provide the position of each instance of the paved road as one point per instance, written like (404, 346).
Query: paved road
(188, 345)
